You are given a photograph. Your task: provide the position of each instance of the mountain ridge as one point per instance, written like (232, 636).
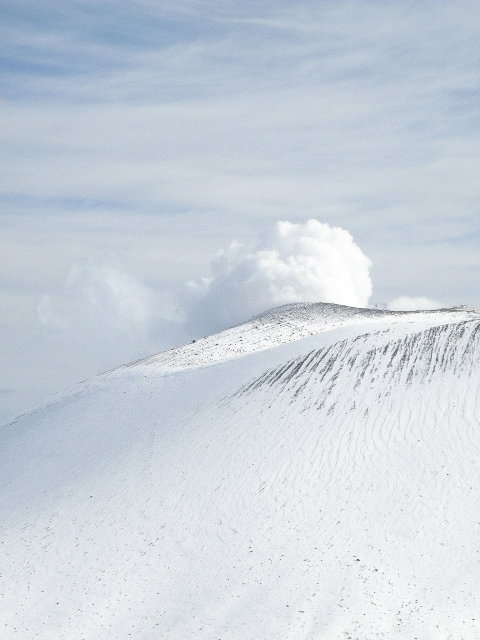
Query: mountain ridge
(323, 487)
(296, 321)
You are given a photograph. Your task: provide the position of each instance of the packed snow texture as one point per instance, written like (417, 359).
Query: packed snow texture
(293, 262)
(310, 474)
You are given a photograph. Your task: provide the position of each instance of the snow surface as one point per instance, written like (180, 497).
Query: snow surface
(313, 473)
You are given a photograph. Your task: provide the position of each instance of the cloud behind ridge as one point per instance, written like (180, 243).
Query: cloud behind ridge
(413, 303)
(304, 262)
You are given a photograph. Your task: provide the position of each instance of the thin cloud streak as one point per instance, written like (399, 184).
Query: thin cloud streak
(360, 105)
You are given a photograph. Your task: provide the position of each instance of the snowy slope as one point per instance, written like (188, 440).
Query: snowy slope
(313, 473)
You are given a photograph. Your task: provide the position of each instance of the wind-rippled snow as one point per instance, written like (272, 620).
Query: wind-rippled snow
(311, 474)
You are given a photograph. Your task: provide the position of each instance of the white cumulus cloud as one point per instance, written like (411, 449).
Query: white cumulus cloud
(413, 303)
(309, 262)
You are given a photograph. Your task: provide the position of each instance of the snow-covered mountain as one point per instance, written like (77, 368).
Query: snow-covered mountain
(313, 473)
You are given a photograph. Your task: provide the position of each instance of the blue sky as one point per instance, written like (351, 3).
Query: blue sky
(151, 134)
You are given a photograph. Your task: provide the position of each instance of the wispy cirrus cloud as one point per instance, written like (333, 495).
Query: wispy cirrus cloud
(307, 107)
